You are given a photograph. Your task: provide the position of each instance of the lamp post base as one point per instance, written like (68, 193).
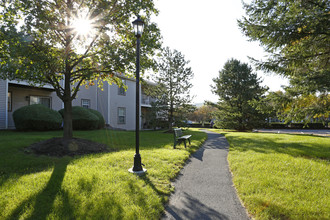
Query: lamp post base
(137, 168)
(139, 173)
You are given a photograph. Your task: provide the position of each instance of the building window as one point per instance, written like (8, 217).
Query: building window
(85, 103)
(121, 115)
(10, 105)
(46, 101)
(121, 90)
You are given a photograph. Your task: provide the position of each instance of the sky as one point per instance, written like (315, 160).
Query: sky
(207, 34)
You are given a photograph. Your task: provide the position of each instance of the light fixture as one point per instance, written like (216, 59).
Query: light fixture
(138, 25)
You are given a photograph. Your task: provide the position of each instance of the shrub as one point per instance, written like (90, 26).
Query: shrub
(37, 117)
(82, 119)
(101, 121)
(314, 125)
(278, 125)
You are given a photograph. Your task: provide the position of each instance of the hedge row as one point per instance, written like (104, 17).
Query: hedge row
(296, 126)
(40, 118)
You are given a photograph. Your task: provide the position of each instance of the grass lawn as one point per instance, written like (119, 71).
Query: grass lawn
(96, 186)
(281, 176)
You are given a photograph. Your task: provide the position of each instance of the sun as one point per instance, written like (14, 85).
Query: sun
(83, 25)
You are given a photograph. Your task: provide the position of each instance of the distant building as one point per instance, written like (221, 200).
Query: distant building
(116, 105)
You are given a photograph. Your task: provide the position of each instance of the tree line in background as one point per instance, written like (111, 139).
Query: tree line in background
(295, 35)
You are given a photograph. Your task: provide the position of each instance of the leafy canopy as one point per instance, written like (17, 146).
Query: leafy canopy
(296, 36)
(69, 43)
(46, 41)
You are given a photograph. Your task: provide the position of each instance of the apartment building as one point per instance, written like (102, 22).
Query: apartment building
(117, 105)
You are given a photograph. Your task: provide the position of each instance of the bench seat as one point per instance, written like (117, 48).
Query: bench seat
(179, 137)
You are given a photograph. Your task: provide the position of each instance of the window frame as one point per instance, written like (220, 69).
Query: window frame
(118, 116)
(89, 103)
(121, 90)
(44, 97)
(10, 101)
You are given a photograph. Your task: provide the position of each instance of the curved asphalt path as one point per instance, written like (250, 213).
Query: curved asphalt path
(204, 189)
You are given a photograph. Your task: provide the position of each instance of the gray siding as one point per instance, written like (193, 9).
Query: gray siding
(3, 103)
(103, 102)
(127, 102)
(89, 93)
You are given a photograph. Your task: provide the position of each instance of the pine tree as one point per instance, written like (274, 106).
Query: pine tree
(173, 86)
(236, 87)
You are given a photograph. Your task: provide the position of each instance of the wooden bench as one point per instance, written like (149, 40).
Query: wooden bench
(179, 137)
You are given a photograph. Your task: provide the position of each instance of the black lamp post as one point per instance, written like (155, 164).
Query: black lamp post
(138, 25)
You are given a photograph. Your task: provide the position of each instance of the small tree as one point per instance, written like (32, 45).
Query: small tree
(173, 85)
(236, 87)
(77, 42)
(203, 114)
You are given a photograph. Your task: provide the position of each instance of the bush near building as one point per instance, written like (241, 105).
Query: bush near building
(36, 117)
(83, 119)
(101, 121)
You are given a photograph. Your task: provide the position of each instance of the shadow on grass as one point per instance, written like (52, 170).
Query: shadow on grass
(43, 201)
(262, 143)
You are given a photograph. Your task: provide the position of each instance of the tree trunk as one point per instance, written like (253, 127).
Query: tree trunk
(67, 127)
(170, 125)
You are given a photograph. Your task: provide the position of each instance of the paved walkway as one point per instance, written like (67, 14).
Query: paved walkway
(318, 132)
(204, 189)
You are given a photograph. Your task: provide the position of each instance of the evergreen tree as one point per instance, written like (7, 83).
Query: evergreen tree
(173, 86)
(296, 35)
(236, 87)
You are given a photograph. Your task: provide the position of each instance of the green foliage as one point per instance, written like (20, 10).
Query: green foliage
(94, 186)
(296, 36)
(289, 106)
(203, 114)
(173, 86)
(37, 117)
(281, 176)
(101, 121)
(83, 119)
(40, 44)
(237, 87)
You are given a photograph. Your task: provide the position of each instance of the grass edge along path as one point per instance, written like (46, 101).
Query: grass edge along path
(281, 176)
(95, 186)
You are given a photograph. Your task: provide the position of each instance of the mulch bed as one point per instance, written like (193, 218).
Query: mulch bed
(60, 147)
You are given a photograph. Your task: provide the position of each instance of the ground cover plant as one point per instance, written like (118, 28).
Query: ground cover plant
(95, 186)
(281, 176)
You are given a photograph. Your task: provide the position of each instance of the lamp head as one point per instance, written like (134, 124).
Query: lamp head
(138, 26)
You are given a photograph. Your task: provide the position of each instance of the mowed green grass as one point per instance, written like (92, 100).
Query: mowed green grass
(95, 186)
(281, 176)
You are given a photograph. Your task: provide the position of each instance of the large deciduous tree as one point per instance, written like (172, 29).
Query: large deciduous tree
(296, 35)
(173, 85)
(72, 41)
(236, 87)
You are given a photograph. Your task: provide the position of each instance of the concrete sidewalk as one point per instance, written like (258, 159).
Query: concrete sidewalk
(204, 188)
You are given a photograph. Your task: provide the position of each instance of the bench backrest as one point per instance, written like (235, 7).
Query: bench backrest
(177, 132)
